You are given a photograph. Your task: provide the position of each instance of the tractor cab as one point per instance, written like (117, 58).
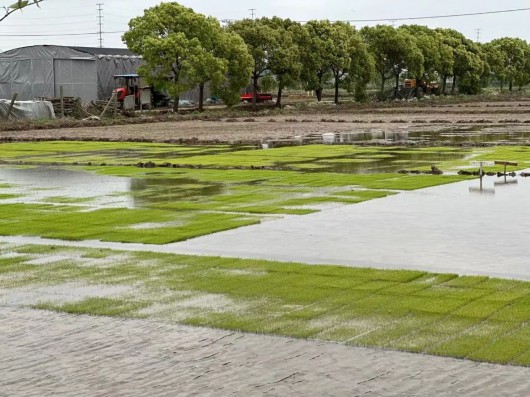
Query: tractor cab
(131, 91)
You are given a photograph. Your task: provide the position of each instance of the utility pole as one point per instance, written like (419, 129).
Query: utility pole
(252, 12)
(100, 24)
(477, 31)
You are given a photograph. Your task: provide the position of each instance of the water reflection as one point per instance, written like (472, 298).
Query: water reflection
(149, 191)
(441, 229)
(39, 184)
(62, 186)
(452, 136)
(390, 160)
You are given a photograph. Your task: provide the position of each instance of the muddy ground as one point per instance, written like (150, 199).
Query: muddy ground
(270, 124)
(49, 354)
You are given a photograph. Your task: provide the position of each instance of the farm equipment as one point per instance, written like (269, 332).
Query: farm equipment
(130, 93)
(413, 88)
(247, 97)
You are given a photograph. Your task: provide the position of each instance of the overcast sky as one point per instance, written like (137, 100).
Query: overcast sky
(74, 22)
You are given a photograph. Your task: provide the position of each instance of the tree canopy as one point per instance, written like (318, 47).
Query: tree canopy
(394, 51)
(183, 49)
(508, 59)
(264, 42)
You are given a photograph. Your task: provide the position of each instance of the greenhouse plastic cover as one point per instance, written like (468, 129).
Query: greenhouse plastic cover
(27, 110)
(40, 71)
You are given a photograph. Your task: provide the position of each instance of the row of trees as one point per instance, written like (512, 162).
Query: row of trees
(183, 49)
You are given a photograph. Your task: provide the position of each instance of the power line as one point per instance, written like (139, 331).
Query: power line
(231, 20)
(469, 14)
(5, 25)
(60, 34)
(62, 17)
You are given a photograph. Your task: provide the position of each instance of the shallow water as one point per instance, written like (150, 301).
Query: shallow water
(39, 184)
(395, 160)
(453, 228)
(470, 135)
(446, 229)
(47, 184)
(149, 191)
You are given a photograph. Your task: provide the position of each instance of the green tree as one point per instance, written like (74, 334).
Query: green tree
(316, 63)
(394, 51)
(469, 68)
(335, 50)
(468, 62)
(239, 67)
(512, 57)
(348, 57)
(208, 65)
(438, 60)
(284, 62)
(19, 5)
(361, 71)
(524, 78)
(263, 41)
(179, 49)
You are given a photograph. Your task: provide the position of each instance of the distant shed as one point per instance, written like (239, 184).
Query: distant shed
(85, 72)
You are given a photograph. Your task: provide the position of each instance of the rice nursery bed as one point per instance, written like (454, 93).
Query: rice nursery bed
(212, 188)
(478, 318)
(104, 191)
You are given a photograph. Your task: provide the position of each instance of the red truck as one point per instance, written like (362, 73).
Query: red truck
(260, 98)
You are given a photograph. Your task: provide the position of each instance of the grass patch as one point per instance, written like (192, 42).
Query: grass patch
(97, 307)
(65, 222)
(9, 196)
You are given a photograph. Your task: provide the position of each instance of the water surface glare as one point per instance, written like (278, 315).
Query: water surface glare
(38, 184)
(464, 135)
(451, 228)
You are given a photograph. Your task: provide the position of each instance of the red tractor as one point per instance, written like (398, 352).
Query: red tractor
(129, 85)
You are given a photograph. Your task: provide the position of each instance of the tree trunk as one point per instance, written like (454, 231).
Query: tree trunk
(279, 97)
(318, 93)
(502, 85)
(255, 78)
(319, 90)
(444, 84)
(383, 83)
(176, 100)
(201, 97)
(454, 86)
(511, 85)
(337, 80)
(397, 85)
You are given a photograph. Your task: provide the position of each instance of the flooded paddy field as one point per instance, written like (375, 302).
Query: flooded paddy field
(454, 136)
(185, 192)
(122, 230)
(478, 318)
(459, 228)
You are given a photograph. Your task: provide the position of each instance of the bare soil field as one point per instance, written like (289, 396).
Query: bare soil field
(270, 124)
